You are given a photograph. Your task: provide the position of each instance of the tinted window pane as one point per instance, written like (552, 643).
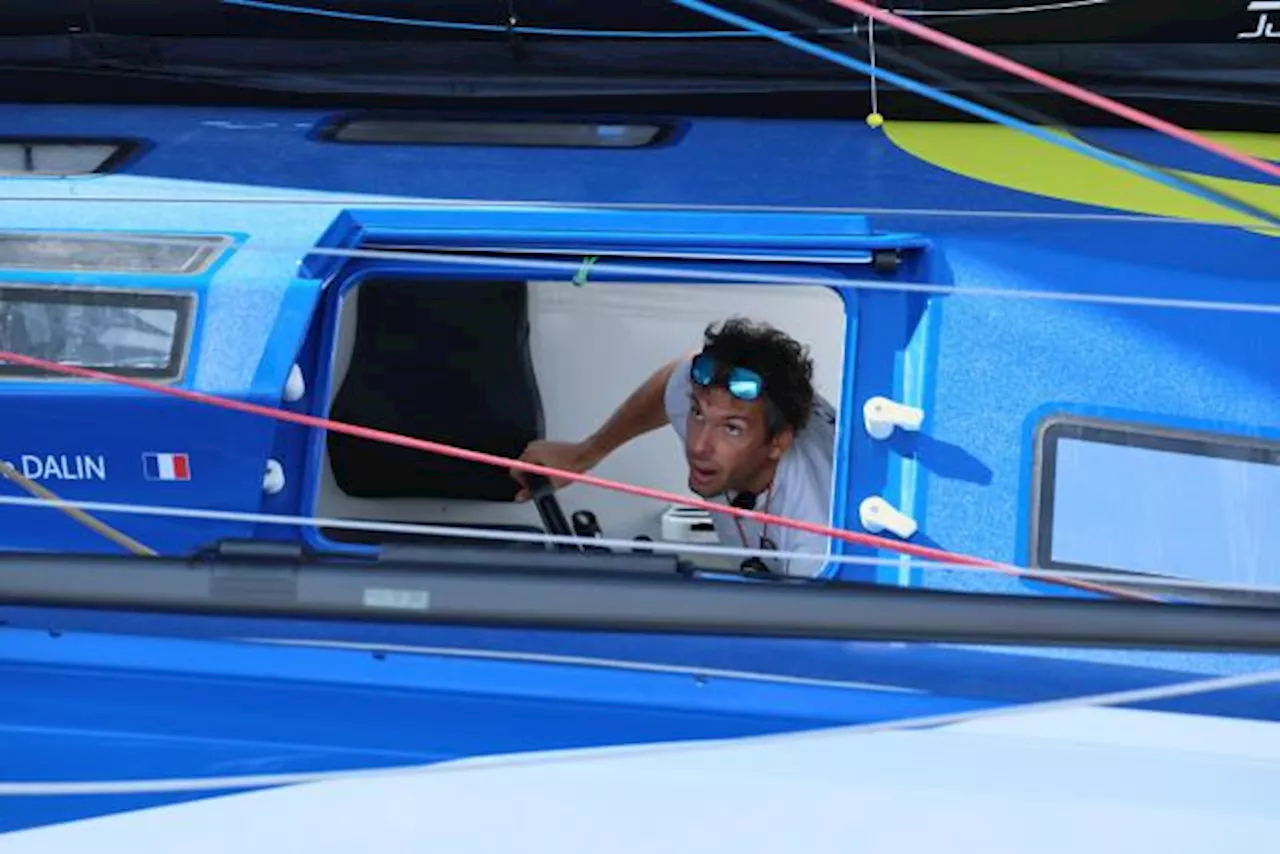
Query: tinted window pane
(140, 334)
(435, 132)
(1168, 504)
(109, 253)
(36, 157)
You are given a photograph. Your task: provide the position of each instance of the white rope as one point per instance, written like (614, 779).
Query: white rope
(449, 531)
(253, 781)
(871, 41)
(498, 535)
(458, 257)
(677, 274)
(417, 203)
(586, 661)
(1115, 698)
(1011, 10)
(694, 274)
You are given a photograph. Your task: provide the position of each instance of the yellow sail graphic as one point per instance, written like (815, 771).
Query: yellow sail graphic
(1008, 158)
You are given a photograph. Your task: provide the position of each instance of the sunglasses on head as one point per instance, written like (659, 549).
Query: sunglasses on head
(742, 383)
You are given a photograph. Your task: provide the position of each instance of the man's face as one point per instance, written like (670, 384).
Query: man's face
(728, 446)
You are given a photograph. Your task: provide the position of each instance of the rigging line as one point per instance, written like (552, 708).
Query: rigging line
(1058, 85)
(991, 99)
(875, 83)
(1010, 10)
(370, 434)
(1050, 576)
(1115, 698)
(47, 497)
(421, 202)
(585, 33)
(569, 268)
(850, 36)
(968, 106)
(44, 788)
(464, 26)
(456, 256)
(575, 32)
(639, 665)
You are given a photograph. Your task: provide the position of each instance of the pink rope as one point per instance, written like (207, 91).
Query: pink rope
(1061, 86)
(926, 552)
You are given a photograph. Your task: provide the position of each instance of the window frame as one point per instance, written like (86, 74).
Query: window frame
(664, 130)
(1127, 433)
(211, 249)
(127, 150)
(183, 302)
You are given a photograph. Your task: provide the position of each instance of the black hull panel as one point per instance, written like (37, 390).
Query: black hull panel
(1200, 66)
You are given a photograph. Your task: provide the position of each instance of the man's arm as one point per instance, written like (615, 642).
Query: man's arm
(642, 412)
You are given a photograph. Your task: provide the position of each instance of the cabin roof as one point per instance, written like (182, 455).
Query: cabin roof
(268, 178)
(723, 161)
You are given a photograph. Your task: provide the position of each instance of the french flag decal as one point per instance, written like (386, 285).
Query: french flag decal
(166, 466)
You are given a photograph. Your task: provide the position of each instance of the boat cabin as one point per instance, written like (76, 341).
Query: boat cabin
(1021, 371)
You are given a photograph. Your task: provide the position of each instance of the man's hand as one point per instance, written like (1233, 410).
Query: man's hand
(570, 456)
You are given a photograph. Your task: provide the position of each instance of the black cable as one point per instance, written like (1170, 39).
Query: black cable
(990, 99)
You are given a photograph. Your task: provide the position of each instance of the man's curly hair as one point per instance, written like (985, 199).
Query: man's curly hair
(783, 362)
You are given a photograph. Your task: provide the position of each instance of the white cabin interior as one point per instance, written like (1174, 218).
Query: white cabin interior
(591, 347)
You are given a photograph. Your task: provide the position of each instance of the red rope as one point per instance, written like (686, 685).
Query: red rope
(1061, 86)
(925, 552)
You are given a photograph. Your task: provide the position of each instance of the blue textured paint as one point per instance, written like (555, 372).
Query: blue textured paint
(719, 161)
(990, 362)
(989, 674)
(233, 709)
(1005, 359)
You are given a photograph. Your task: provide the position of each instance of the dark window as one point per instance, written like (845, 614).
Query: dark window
(1133, 498)
(62, 157)
(110, 253)
(131, 333)
(561, 134)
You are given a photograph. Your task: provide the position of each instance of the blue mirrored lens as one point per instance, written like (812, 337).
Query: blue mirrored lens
(704, 370)
(744, 384)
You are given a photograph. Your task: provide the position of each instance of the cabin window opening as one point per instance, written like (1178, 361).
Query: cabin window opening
(130, 333)
(492, 365)
(1131, 498)
(551, 134)
(157, 254)
(62, 157)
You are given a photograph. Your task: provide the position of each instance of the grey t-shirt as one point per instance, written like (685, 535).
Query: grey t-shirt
(801, 487)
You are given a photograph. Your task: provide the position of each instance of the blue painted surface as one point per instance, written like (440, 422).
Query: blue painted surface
(976, 364)
(189, 708)
(1001, 361)
(94, 696)
(986, 674)
(984, 369)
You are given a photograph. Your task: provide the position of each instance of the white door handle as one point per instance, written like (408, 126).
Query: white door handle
(273, 480)
(296, 385)
(879, 515)
(880, 416)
